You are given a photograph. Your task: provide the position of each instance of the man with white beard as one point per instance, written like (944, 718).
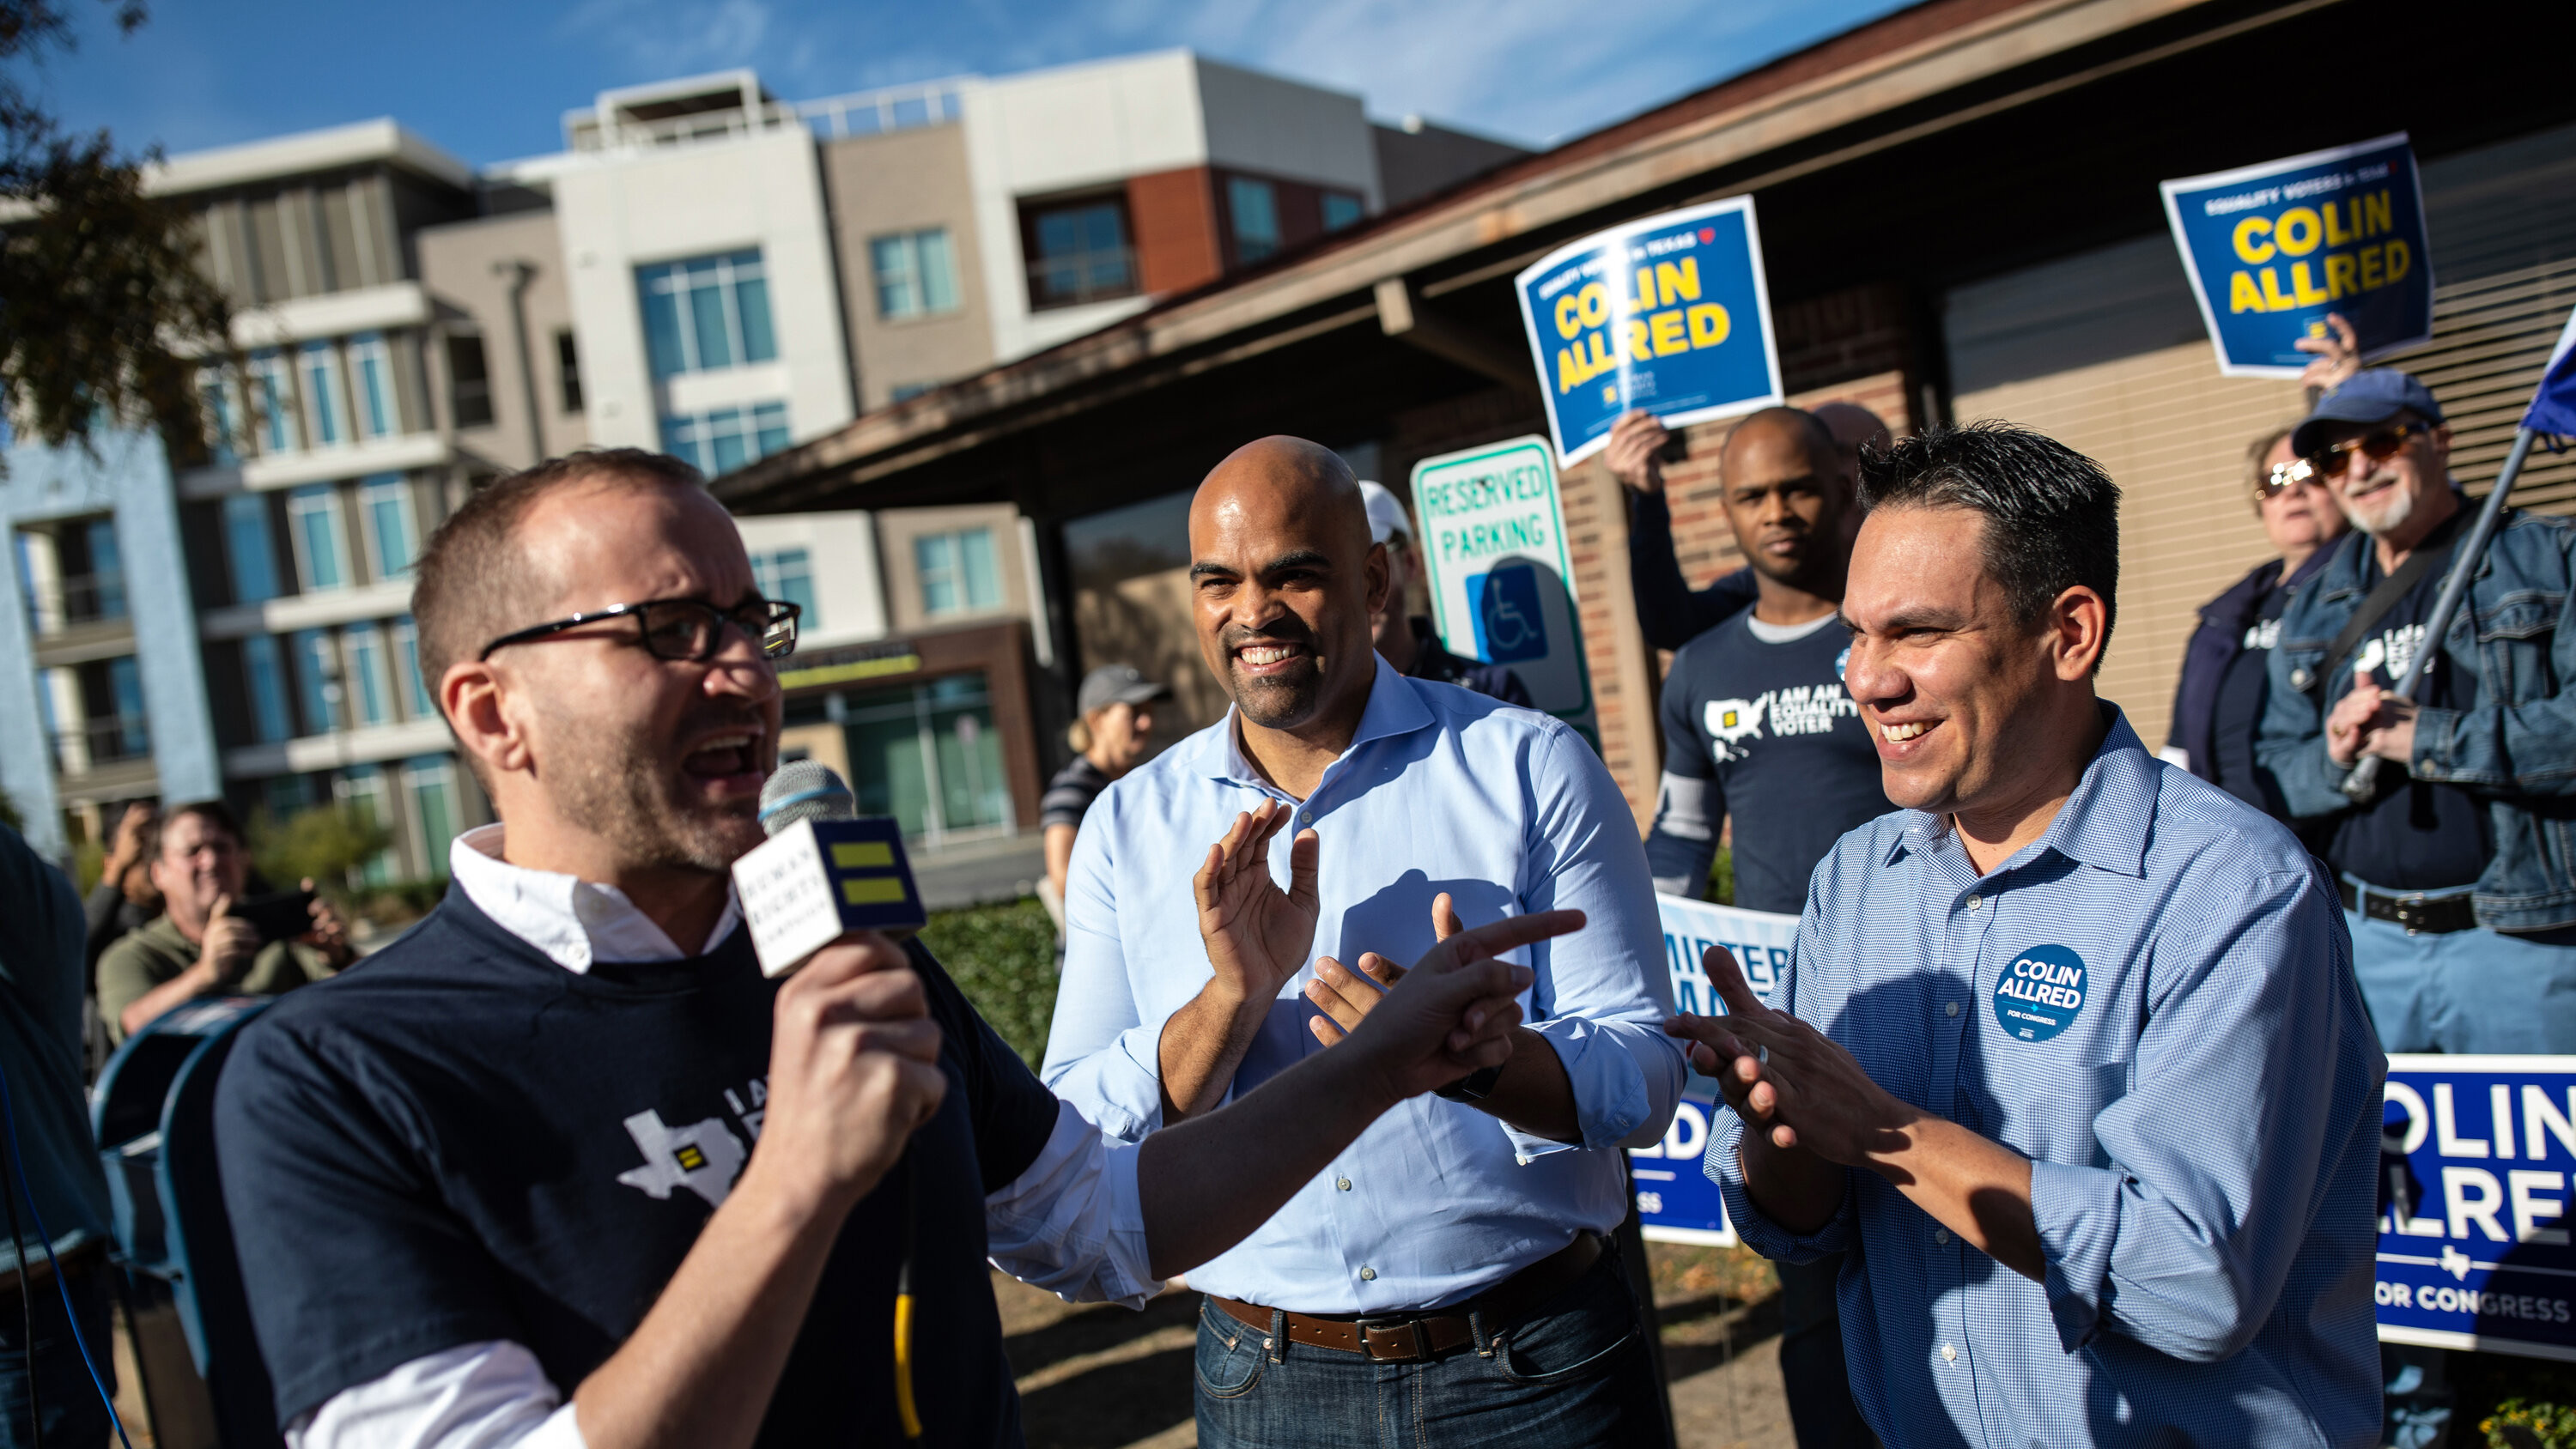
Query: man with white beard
(2459, 891)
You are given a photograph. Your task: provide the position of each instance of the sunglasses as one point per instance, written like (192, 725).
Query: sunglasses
(2332, 459)
(2284, 477)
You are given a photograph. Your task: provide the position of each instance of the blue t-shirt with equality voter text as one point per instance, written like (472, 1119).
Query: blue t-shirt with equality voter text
(1758, 725)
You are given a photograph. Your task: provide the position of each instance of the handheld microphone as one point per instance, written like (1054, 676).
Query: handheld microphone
(824, 871)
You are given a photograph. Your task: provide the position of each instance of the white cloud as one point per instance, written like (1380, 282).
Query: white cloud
(670, 40)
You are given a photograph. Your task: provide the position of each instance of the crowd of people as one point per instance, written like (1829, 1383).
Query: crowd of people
(1364, 990)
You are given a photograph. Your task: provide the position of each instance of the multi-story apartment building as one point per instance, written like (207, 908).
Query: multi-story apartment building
(703, 270)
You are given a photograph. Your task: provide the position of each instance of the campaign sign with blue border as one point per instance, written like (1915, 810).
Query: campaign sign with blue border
(1669, 314)
(2272, 249)
(2474, 1201)
(1675, 1199)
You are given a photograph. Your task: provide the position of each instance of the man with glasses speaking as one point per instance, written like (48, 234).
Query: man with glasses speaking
(2455, 873)
(562, 1167)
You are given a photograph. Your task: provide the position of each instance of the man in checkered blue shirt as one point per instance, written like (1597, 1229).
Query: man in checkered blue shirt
(2069, 1058)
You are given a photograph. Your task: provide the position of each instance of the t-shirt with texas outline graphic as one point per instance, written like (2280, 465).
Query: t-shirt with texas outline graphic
(1762, 729)
(498, 1148)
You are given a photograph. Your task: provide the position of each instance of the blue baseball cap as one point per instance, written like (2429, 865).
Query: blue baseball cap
(2372, 396)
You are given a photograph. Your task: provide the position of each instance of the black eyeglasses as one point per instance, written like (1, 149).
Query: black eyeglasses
(686, 630)
(2335, 457)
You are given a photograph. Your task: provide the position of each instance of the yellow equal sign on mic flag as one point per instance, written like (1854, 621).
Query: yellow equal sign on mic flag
(873, 880)
(868, 869)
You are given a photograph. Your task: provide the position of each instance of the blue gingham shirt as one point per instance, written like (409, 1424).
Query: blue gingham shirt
(1506, 809)
(2155, 1004)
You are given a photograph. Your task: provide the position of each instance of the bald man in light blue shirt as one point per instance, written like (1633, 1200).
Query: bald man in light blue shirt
(1455, 1254)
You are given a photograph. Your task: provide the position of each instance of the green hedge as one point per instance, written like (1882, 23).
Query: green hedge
(1003, 958)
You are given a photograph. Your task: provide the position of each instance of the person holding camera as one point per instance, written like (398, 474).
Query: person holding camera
(202, 944)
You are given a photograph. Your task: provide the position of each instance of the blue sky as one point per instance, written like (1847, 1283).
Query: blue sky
(489, 80)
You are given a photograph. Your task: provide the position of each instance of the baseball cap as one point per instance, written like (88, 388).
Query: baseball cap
(1385, 515)
(1116, 684)
(2372, 396)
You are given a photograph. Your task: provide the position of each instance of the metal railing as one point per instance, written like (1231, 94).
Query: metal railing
(891, 108)
(98, 742)
(82, 599)
(1069, 278)
(860, 113)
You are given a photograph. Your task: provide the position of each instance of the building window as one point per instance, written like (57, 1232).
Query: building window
(385, 502)
(223, 420)
(788, 574)
(1253, 207)
(916, 274)
(957, 571)
(317, 679)
(100, 593)
(432, 781)
(469, 380)
(1078, 251)
(415, 690)
(1341, 209)
(371, 684)
(724, 439)
(929, 756)
(362, 789)
(313, 516)
(273, 394)
(567, 375)
(706, 313)
(126, 737)
(251, 550)
(324, 407)
(372, 367)
(265, 673)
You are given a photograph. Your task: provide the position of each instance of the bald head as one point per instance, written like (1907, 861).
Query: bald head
(1779, 430)
(1285, 476)
(1283, 578)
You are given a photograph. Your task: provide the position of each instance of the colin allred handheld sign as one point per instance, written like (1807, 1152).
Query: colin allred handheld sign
(1669, 314)
(2272, 249)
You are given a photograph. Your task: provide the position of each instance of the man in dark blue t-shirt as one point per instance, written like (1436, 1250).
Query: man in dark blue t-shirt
(1758, 726)
(562, 1167)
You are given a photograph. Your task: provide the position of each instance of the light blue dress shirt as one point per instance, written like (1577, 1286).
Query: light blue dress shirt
(2155, 1004)
(1507, 810)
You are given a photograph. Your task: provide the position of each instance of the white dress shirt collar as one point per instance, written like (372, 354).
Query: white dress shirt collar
(574, 921)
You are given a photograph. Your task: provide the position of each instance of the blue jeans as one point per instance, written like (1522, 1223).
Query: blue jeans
(2474, 991)
(74, 1418)
(1572, 1373)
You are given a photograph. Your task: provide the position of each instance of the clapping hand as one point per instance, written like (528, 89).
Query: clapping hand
(1257, 935)
(1793, 1085)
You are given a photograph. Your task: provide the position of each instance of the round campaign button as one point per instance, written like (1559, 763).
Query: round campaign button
(2042, 990)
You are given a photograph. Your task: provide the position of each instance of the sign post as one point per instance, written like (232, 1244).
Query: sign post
(1500, 576)
(1675, 1199)
(1669, 314)
(2272, 249)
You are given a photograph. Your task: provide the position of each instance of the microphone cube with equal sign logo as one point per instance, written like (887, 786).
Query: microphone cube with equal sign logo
(817, 879)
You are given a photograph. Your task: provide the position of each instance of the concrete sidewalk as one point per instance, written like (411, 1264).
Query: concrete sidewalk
(979, 872)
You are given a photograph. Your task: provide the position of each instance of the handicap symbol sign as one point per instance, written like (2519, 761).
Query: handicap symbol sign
(1509, 626)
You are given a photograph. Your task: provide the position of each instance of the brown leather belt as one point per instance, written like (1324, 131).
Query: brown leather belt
(1400, 1337)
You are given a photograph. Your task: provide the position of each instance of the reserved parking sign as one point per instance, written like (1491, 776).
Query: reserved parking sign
(1501, 578)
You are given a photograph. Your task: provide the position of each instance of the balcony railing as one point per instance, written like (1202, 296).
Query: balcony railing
(1069, 278)
(82, 599)
(894, 108)
(101, 742)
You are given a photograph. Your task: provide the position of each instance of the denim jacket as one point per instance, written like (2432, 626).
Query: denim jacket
(2514, 641)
